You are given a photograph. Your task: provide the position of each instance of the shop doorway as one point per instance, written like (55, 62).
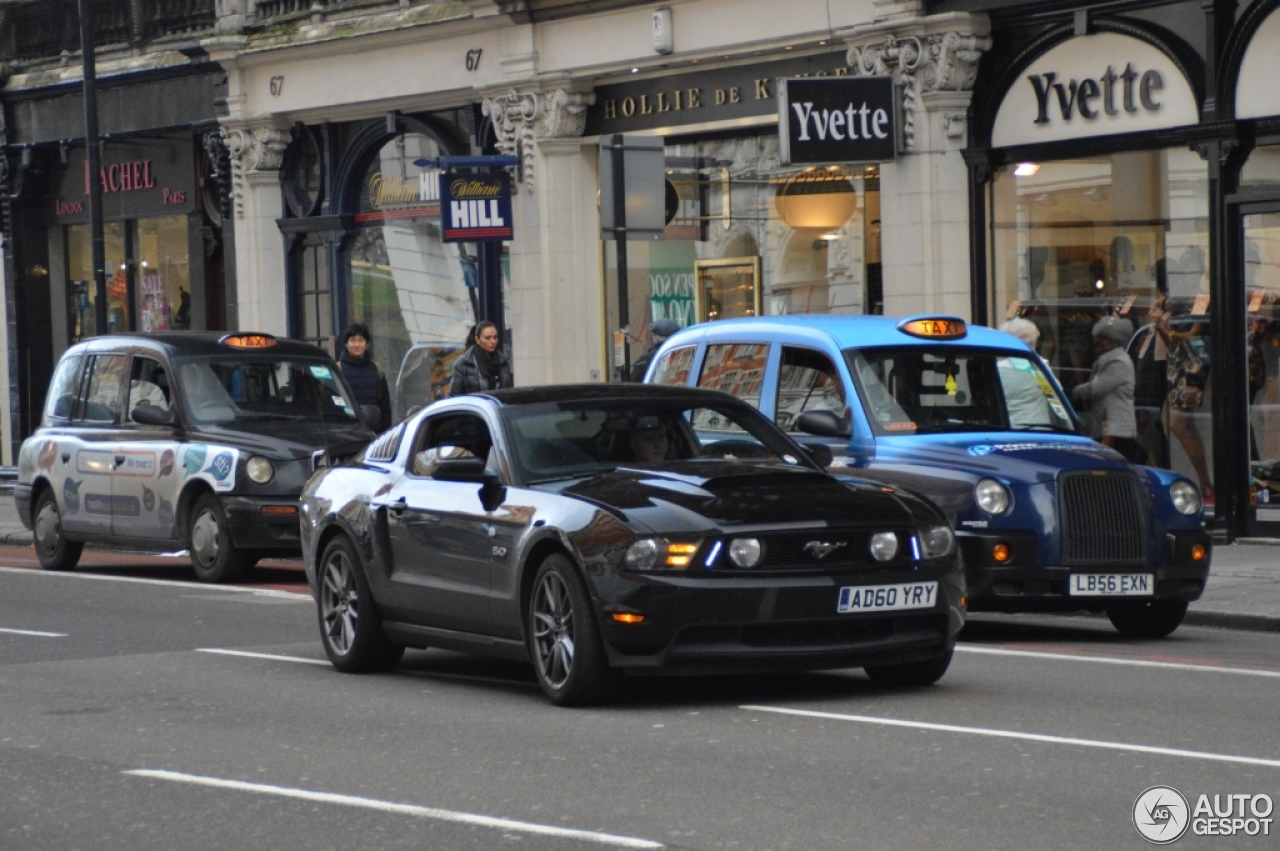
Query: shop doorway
(1258, 229)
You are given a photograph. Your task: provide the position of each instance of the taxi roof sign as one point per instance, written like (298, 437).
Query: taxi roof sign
(934, 327)
(248, 341)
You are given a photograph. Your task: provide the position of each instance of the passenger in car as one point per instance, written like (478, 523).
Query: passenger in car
(648, 441)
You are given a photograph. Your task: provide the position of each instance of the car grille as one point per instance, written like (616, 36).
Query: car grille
(816, 550)
(1103, 521)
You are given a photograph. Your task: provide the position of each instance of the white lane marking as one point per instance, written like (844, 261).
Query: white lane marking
(269, 656)
(34, 632)
(428, 674)
(1010, 734)
(403, 809)
(1140, 663)
(303, 596)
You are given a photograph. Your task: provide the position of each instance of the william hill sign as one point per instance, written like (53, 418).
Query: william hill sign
(837, 120)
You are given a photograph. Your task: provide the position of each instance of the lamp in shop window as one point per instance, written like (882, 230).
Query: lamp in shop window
(817, 200)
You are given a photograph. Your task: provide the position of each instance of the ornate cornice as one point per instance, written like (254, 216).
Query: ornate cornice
(521, 119)
(925, 55)
(253, 151)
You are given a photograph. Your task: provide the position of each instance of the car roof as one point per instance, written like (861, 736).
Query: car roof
(843, 332)
(200, 343)
(599, 392)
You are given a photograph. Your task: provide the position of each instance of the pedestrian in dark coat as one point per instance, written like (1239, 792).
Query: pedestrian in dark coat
(482, 366)
(363, 374)
(658, 334)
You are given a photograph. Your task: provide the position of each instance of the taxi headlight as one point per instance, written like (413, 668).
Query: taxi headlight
(1185, 496)
(936, 541)
(884, 546)
(259, 469)
(991, 496)
(745, 552)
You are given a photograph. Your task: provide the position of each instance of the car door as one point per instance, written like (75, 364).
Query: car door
(144, 478)
(441, 536)
(88, 452)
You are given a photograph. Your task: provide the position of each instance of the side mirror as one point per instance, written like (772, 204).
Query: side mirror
(371, 415)
(822, 424)
(152, 415)
(819, 454)
(465, 470)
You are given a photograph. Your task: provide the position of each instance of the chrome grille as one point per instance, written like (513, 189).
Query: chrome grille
(1103, 521)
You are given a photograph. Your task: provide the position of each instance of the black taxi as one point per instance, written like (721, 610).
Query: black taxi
(195, 440)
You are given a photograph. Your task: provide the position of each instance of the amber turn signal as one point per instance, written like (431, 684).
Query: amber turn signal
(1198, 552)
(1001, 552)
(627, 617)
(280, 510)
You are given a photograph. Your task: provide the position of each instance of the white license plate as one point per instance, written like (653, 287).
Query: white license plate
(888, 598)
(1112, 584)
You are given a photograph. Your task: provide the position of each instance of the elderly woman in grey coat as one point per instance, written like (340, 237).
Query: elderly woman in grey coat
(1109, 390)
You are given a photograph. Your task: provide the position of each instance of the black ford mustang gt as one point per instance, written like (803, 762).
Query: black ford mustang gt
(600, 529)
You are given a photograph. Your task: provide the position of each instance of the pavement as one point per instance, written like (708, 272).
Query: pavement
(1243, 590)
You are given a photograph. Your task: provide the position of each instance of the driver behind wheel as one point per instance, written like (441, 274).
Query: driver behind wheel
(648, 441)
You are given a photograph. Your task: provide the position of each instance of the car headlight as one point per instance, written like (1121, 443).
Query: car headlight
(1185, 496)
(745, 552)
(884, 546)
(991, 496)
(659, 554)
(936, 541)
(259, 469)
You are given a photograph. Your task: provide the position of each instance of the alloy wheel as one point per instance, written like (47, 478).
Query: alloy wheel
(553, 636)
(339, 602)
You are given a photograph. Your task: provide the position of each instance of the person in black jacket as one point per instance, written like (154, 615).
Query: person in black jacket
(482, 366)
(364, 375)
(658, 334)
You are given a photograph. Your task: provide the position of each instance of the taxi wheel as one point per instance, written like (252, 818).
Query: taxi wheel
(213, 556)
(1154, 619)
(350, 626)
(52, 547)
(564, 640)
(910, 674)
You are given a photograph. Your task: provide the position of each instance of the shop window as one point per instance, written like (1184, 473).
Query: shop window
(83, 296)
(313, 298)
(163, 274)
(1126, 236)
(812, 234)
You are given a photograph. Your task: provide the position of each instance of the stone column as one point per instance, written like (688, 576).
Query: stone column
(924, 194)
(556, 300)
(255, 154)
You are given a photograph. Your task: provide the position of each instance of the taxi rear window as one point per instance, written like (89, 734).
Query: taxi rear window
(930, 391)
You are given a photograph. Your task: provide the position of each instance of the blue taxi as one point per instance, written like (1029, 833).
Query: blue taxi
(1048, 519)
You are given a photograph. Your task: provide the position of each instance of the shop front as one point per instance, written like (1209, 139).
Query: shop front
(1107, 167)
(372, 249)
(747, 234)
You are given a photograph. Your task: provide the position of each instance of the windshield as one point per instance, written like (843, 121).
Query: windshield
(561, 440)
(919, 391)
(235, 388)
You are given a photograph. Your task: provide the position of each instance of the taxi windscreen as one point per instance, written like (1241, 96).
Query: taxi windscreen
(932, 391)
(239, 387)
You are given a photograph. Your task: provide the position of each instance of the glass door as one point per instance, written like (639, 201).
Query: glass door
(84, 299)
(1260, 231)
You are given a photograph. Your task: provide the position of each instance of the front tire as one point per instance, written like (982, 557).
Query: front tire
(564, 639)
(910, 674)
(350, 626)
(213, 556)
(1153, 619)
(52, 547)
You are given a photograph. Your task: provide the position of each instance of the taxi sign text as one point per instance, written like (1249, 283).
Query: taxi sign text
(249, 341)
(938, 328)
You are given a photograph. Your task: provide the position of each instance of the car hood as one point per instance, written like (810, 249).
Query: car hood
(1015, 457)
(292, 439)
(701, 496)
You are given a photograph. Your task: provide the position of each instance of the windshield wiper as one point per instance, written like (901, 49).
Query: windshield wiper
(1045, 427)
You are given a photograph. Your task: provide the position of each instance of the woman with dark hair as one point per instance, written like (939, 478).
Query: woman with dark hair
(482, 366)
(367, 381)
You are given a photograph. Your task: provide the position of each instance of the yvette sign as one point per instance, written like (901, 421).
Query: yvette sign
(837, 120)
(1095, 85)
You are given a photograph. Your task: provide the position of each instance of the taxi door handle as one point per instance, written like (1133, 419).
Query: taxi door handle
(119, 461)
(66, 456)
(397, 507)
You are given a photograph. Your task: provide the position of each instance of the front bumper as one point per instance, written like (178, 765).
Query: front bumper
(263, 524)
(1022, 585)
(695, 625)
